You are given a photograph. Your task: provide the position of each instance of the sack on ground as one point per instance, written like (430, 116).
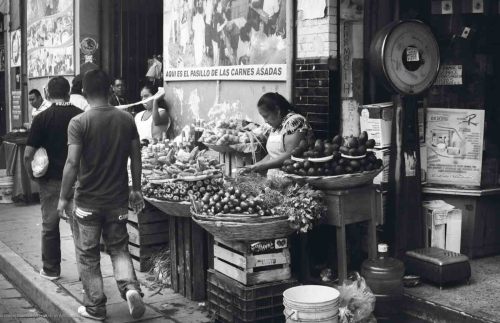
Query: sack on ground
(357, 301)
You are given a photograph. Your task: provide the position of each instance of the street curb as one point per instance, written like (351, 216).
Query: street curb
(48, 296)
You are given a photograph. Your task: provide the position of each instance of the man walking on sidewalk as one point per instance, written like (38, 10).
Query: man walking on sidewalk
(100, 143)
(50, 131)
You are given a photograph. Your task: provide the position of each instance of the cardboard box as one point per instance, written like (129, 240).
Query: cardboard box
(376, 120)
(443, 224)
(385, 155)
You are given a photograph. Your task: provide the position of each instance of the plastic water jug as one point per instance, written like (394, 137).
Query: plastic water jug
(384, 276)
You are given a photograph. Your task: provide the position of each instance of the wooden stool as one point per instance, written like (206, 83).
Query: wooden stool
(347, 207)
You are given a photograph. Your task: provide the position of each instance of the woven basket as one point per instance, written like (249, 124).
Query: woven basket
(337, 182)
(265, 228)
(180, 209)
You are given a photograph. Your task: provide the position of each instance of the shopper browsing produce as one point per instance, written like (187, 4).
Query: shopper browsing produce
(288, 129)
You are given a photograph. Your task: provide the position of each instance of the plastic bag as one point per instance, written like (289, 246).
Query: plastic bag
(40, 162)
(357, 301)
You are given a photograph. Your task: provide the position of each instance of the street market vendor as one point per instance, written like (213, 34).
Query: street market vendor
(154, 121)
(288, 129)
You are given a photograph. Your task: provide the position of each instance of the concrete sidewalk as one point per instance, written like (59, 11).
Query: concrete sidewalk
(20, 261)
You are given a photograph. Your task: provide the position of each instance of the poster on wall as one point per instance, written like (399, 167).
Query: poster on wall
(224, 40)
(15, 42)
(50, 38)
(454, 139)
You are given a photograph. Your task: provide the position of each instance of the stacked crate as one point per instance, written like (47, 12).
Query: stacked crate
(248, 280)
(231, 301)
(148, 235)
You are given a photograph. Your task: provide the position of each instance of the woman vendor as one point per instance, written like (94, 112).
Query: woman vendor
(154, 121)
(288, 129)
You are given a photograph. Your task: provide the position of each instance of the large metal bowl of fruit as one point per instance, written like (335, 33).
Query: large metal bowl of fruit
(352, 163)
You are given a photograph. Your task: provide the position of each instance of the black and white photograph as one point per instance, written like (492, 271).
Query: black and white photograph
(250, 161)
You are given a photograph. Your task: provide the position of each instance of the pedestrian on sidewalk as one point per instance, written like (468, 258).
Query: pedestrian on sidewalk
(100, 143)
(50, 131)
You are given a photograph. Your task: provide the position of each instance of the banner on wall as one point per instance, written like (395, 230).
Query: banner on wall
(225, 40)
(50, 38)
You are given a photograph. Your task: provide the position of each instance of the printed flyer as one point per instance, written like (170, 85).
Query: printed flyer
(454, 139)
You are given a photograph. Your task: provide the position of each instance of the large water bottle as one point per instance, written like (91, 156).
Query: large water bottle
(384, 276)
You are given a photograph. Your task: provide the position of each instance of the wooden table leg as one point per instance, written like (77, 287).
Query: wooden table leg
(341, 253)
(372, 229)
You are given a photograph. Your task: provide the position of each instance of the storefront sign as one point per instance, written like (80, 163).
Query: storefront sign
(454, 139)
(449, 75)
(224, 41)
(50, 38)
(16, 109)
(240, 72)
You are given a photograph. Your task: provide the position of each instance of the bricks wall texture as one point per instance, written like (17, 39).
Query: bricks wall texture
(316, 72)
(317, 37)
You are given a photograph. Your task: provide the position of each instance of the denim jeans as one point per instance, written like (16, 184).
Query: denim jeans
(51, 239)
(88, 225)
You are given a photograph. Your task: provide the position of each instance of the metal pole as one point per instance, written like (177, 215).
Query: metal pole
(24, 61)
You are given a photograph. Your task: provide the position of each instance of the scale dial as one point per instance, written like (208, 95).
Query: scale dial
(405, 55)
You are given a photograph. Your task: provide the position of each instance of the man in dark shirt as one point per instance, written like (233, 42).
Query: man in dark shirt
(50, 131)
(117, 96)
(100, 143)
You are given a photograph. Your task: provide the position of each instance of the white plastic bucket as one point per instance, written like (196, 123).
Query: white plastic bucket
(6, 187)
(311, 303)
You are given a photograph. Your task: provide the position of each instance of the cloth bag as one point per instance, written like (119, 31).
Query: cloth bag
(40, 162)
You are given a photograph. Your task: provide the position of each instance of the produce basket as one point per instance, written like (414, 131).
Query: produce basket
(180, 209)
(339, 181)
(261, 228)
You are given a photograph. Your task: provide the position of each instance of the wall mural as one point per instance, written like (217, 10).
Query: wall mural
(50, 38)
(225, 40)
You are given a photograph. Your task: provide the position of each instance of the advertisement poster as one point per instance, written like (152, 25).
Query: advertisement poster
(454, 139)
(15, 42)
(224, 40)
(50, 38)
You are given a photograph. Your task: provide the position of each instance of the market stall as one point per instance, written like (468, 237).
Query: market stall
(12, 155)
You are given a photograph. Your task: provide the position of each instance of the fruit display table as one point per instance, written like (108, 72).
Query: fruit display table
(347, 207)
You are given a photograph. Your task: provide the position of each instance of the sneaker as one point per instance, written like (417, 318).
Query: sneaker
(82, 310)
(43, 274)
(135, 303)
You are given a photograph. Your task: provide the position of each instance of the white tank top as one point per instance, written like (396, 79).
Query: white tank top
(144, 127)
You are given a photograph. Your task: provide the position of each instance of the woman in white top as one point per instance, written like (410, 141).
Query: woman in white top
(152, 122)
(76, 97)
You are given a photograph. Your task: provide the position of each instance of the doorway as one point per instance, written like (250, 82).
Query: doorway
(138, 36)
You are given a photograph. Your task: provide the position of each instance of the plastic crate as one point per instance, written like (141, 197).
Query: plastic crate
(248, 293)
(230, 301)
